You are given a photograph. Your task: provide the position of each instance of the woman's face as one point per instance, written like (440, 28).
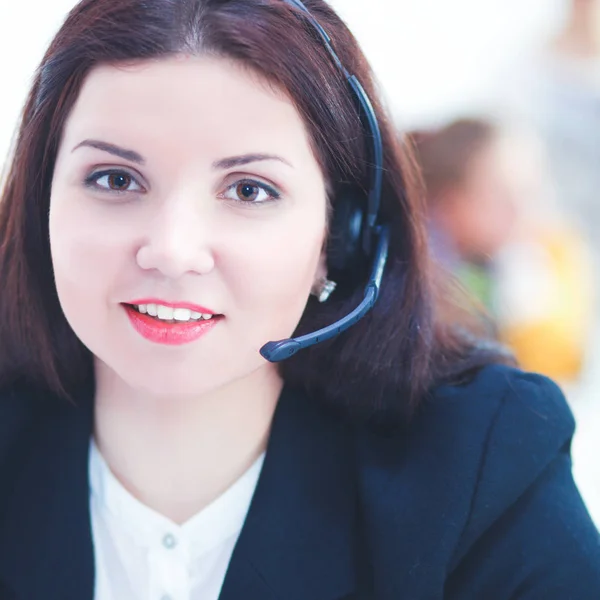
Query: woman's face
(186, 182)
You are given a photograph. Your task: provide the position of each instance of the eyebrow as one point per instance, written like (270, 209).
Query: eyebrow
(113, 149)
(223, 163)
(244, 159)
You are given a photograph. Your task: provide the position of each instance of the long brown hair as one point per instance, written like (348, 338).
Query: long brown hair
(380, 367)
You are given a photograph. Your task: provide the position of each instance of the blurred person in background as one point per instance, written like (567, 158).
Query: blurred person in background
(470, 218)
(493, 223)
(557, 91)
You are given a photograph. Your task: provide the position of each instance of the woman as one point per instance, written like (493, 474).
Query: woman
(184, 178)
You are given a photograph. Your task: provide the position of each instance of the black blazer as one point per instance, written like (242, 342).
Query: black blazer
(475, 500)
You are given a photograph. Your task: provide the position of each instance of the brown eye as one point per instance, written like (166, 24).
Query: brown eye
(247, 192)
(116, 181)
(119, 181)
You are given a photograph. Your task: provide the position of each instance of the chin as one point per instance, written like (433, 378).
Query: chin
(169, 383)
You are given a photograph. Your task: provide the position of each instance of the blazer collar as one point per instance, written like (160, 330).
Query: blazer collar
(298, 540)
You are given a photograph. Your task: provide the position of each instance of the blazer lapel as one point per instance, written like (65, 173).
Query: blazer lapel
(298, 540)
(46, 546)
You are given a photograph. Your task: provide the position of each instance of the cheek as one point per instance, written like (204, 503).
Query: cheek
(85, 259)
(271, 275)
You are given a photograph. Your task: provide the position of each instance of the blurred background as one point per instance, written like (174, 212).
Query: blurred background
(501, 101)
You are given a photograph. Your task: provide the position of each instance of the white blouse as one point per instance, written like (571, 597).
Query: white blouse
(142, 555)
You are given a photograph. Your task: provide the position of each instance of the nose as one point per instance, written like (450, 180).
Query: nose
(178, 240)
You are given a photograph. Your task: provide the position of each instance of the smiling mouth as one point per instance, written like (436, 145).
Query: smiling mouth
(171, 316)
(173, 326)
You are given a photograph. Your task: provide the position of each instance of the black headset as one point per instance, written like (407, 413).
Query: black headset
(356, 233)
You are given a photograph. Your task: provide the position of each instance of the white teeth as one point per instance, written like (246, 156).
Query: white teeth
(182, 314)
(165, 313)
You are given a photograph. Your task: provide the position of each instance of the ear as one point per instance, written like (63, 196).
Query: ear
(321, 271)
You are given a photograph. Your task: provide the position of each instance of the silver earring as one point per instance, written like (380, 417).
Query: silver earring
(323, 289)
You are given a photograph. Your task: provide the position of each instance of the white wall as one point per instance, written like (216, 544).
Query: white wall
(438, 56)
(26, 28)
(432, 57)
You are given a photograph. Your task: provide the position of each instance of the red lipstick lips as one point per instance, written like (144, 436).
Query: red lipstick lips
(170, 332)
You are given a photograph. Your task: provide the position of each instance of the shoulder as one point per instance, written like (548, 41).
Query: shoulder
(526, 521)
(497, 386)
(518, 412)
(504, 422)
(503, 426)
(503, 430)
(481, 484)
(502, 417)
(516, 424)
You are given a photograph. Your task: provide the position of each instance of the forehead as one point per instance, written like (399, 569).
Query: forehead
(188, 103)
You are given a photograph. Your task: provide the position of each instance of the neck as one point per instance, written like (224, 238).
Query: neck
(176, 455)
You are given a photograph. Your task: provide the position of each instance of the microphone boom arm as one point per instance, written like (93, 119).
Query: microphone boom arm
(278, 351)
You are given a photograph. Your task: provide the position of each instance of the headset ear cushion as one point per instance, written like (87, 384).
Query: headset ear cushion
(345, 231)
